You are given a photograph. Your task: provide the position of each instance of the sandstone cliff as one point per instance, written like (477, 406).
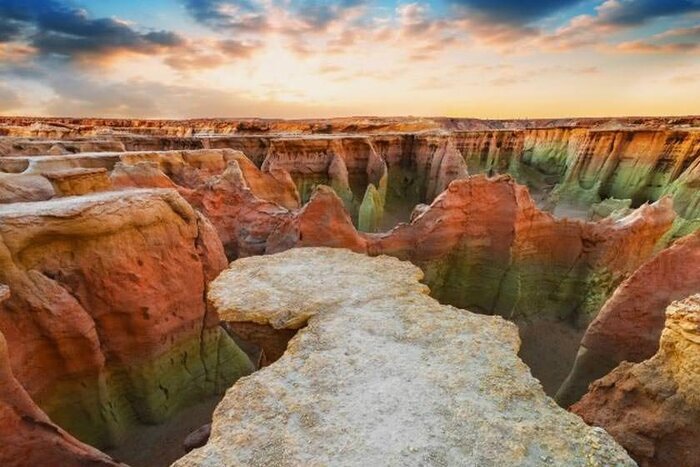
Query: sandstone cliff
(107, 323)
(28, 436)
(653, 408)
(629, 325)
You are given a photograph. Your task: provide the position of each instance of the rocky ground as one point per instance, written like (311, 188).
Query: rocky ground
(112, 230)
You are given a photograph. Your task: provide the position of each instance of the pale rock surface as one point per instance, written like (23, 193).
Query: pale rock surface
(16, 188)
(382, 374)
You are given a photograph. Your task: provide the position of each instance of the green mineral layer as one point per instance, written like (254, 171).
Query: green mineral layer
(100, 409)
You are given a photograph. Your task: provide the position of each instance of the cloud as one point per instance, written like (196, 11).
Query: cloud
(679, 40)
(615, 16)
(638, 12)
(54, 29)
(9, 29)
(210, 54)
(320, 14)
(513, 11)
(239, 15)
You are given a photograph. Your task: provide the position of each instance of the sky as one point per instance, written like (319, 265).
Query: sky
(308, 58)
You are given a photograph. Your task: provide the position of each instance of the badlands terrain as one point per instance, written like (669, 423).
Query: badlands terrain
(470, 292)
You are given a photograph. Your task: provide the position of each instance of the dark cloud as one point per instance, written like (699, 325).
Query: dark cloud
(9, 29)
(241, 15)
(637, 12)
(514, 11)
(17, 15)
(319, 14)
(56, 29)
(250, 15)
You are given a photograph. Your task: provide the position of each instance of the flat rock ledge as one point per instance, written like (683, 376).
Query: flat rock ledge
(382, 374)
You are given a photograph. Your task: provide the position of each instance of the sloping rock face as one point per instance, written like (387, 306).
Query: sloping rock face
(107, 324)
(28, 435)
(629, 325)
(381, 374)
(483, 244)
(653, 408)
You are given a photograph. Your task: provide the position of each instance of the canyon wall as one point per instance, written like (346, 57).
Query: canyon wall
(110, 232)
(652, 408)
(107, 324)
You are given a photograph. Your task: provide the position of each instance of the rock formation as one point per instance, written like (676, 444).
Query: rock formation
(28, 435)
(485, 245)
(107, 322)
(629, 325)
(381, 374)
(653, 408)
(116, 227)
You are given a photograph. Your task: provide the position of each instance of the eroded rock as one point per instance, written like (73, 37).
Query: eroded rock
(28, 436)
(629, 325)
(107, 321)
(381, 374)
(653, 408)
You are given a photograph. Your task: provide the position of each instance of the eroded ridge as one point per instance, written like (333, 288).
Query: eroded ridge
(382, 374)
(653, 407)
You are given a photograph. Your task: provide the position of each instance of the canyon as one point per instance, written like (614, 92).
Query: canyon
(362, 290)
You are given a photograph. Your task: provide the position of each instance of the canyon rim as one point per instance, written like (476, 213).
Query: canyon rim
(349, 233)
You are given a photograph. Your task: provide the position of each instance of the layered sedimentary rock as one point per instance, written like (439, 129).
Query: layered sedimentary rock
(629, 325)
(374, 176)
(20, 188)
(107, 322)
(28, 436)
(584, 166)
(653, 408)
(485, 245)
(381, 374)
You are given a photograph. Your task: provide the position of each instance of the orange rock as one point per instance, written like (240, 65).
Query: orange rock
(629, 325)
(126, 274)
(27, 435)
(653, 408)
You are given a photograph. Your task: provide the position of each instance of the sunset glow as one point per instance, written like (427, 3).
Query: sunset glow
(298, 58)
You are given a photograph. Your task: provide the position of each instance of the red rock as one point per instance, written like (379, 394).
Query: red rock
(27, 435)
(652, 408)
(629, 325)
(126, 274)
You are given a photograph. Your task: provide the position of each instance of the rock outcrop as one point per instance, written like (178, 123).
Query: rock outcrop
(28, 435)
(381, 374)
(629, 325)
(484, 245)
(653, 408)
(107, 322)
